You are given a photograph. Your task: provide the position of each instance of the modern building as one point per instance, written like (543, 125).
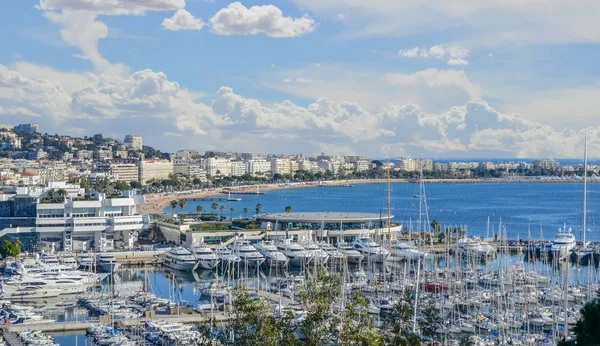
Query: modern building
(217, 166)
(154, 169)
(190, 170)
(238, 168)
(258, 167)
(134, 142)
(26, 128)
(74, 224)
(120, 170)
(281, 165)
(361, 165)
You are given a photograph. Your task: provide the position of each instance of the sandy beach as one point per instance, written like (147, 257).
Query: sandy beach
(155, 203)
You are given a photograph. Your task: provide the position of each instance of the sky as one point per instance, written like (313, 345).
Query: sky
(382, 78)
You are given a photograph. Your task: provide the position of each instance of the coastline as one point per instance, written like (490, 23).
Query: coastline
(155, 203)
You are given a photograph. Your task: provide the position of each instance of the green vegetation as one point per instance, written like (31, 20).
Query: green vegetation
(586, 329)
(55, 196)
(245, 211)
(288, 209)
(10, 248)
(258, 208)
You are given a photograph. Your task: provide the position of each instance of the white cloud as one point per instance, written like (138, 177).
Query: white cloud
(237, 19)
(113, 7)
(455, 55)
(157, 107)
(182, 20)
(483, 23)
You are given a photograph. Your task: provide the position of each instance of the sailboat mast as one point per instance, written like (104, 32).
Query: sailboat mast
(389, 207)
(584, 211)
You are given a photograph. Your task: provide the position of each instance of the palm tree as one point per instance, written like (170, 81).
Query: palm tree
(173, 205)
(199, 209)
(437, 227)
(245, 211)
(258, 207)
(214, 207)
(288, 209)
(231, 210)
(222, 208)
(181, 205)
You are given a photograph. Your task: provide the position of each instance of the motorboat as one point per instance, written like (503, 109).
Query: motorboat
(370, 249)
(85, 259)
(227, 256)
(474, 248)
(68, 261)
(352, 255)
(106, 262)
(247, 253)
(335, 255)
(405, 251)
(273, 257)
(29, 292)
(295, 252)
(180, 258)
(563, 244)
(49, 259)
(205, 256)
(318, 255)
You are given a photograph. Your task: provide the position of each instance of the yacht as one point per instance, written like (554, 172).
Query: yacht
(352, 255)
(85, 260)
(180, 258)
(248, 254)
(370, 249)
(563, 244)
(49, 259)
(106, 262)
(227, 256)
(206, 257)
(273, 257)
(474, 248)
(296, 253)
(405, 251)
(318, 255)
(335, 255)
(68, 261)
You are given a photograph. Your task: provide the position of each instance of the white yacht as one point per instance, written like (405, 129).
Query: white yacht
(563, 244)
(335, 255)
(86, 260)
(106, 262)
(34, 285)
(206, 257)
(318, 255)
(68, 261)
(180, 258)
(30, 292)
(405, 251)
(475, 248)
(273, 257)
(227, 256)
(49, 259)
(248, 254)
(295, 252)
(370, 249)
(352, 255)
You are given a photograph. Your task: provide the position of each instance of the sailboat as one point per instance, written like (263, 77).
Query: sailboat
(584, 249)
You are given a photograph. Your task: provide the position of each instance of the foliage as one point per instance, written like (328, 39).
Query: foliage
(55, 196)
(258, 208)
(397, 329)
(173, 204)
(357, 325)
(231, 211)
(586, 329)
(245, 211)
(199, 208)
(10, 248)
(214, 206)
(135, 185)
(288, 209)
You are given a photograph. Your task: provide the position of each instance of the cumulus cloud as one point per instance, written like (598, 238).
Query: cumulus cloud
(237, 19)
(157, 106)
(455, 55)
(182, 20)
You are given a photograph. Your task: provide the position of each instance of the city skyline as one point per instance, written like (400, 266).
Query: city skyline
(462, 81)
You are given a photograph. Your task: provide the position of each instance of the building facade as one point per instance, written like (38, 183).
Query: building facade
(134, 142)
(154, 169)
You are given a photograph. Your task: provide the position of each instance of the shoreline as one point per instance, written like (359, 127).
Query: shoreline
(155, 203)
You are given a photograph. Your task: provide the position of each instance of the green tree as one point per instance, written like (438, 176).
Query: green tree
(397, 329)
(173, 204)
(258, 208)
(586, 329)
(288, 209)
(436, 226)
(214, 206)
(199, 209)
(122, 186)
(245, 211)
(10, 248)
(231, 210)
(135, 185)
(181, 204)
(357, 325)
(222, 209)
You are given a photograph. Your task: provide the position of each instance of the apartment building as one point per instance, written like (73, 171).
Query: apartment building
(218, 166)
(134, 142)
(120, 170)
(154, 170)
(281, 165)
(258, 167)
(238, 168)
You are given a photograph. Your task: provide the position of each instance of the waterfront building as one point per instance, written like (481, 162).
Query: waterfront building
(258, 167)
(546, 164)
(238, 168)
(101, 223)
(361, 165)
(281, 165)
(26, 128)
(154, 169)
(121, 170)
(134, 142)
(408, 164)
(218, 166)
(193, 170)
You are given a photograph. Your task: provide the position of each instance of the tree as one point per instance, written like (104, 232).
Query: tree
(173, 204)
(258, 208)
(199, 209)
(288, 209)
(231, 210)
(10, 248)
(397, 329)
(436, 226)
(222, 209)
(357, 325)
(181, 205)
(245, 211)
(214, 206)
(586, 329)
(135, 185)
(122, 186)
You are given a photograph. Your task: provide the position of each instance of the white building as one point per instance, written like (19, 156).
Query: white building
(125, 170)
(238, 168)
(408, 164)
(218, 166)
(190, 170)
(258, 167)
(361, 165)
(281, 165)
(134, 142)
(154, 169)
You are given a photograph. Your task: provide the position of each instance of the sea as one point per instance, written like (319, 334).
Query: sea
(525, 210)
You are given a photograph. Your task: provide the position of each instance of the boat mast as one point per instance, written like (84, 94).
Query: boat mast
(584, 212)
(389, 206)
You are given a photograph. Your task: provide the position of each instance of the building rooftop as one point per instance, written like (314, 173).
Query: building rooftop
(318, 217)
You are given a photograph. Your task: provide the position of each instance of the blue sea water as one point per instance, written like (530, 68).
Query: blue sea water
(520, 205)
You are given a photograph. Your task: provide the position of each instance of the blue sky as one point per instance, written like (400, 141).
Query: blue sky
(380, 77)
